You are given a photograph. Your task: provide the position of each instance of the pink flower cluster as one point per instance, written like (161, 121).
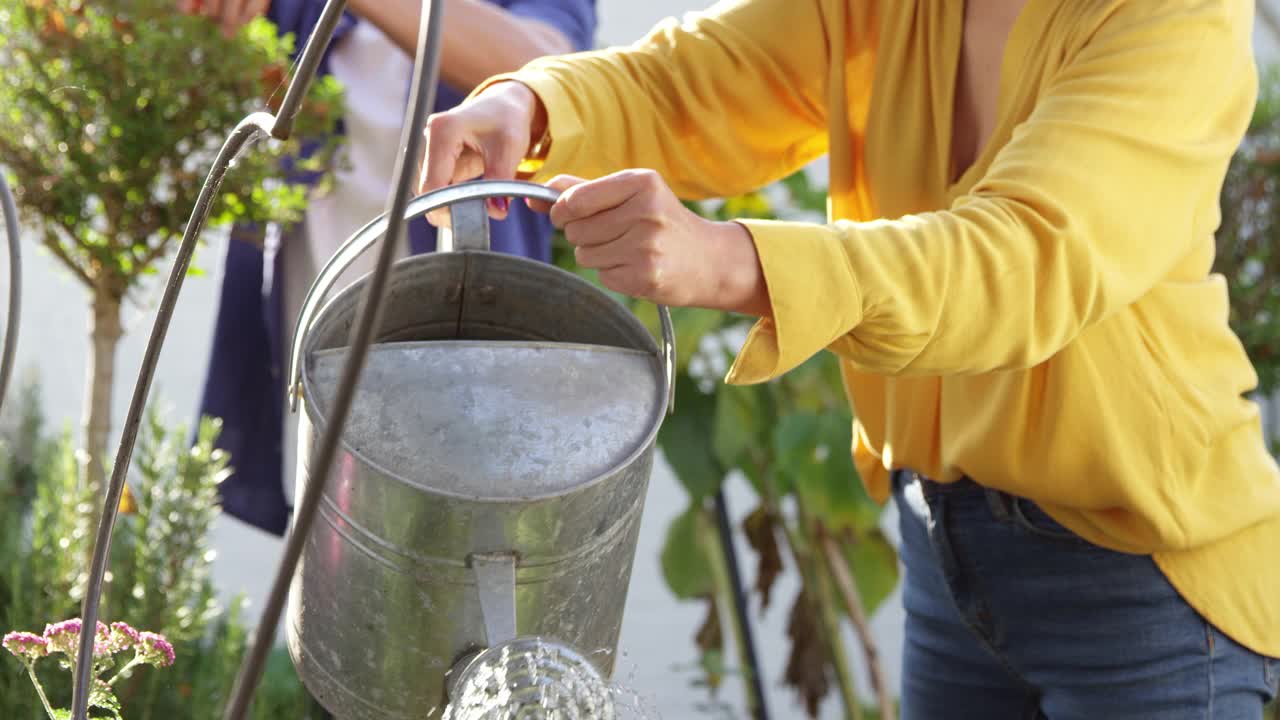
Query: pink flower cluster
(123, 636)
(154, 649)
(26, 646)
(64, 637)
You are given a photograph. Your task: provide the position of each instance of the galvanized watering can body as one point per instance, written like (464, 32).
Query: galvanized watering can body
(493, 469)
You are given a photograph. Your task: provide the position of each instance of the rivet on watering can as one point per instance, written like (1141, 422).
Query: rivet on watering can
(488, 295)
(454, 294)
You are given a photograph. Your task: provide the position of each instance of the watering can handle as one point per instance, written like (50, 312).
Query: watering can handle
(469, 230)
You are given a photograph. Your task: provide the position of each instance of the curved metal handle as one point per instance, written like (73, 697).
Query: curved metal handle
(469, 231)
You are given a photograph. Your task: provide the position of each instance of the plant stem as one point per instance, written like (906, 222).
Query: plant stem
(715, 542)
(804, 545)
(131, 665)
(44, 700)
(814, 581)
(839, 658)
(858, 616)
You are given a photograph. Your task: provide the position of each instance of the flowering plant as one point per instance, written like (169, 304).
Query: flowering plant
(62, 640)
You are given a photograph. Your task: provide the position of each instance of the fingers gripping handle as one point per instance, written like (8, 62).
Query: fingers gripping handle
(469, 230)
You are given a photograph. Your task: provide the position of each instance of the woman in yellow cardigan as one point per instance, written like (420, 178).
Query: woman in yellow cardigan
(1016, 278)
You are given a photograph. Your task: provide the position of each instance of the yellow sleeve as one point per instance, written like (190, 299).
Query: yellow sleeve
(720, 104)
(1111, 181)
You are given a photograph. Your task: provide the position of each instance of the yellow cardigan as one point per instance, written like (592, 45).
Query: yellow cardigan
(1046, 323)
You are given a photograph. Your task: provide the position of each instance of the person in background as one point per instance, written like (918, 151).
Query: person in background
(1016, 275)
(262, 289)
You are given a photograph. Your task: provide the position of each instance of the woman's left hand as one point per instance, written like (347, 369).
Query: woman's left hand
(633, 229)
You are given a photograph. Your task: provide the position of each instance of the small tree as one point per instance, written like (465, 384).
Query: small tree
(110, 114)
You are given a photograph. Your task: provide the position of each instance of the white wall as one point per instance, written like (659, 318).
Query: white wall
(657, 633)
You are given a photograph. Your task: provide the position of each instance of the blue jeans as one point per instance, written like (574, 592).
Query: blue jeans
(1010, 616)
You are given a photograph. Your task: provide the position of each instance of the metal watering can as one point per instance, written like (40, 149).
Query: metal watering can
(488, 489)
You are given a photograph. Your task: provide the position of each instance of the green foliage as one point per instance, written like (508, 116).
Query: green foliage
(873, 562)
(685, 439)
(160, 570)
(112, 113)
(812, 450)
(1248, 241)
(685, 564)
(161, 545)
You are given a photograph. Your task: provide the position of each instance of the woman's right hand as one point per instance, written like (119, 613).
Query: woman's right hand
(485, 137)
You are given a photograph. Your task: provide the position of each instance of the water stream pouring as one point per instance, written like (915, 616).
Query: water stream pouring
(480, 487)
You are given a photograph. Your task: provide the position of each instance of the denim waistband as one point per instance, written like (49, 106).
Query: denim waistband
(1004, 505)
(965, 484)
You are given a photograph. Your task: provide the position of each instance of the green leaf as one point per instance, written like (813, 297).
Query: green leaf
(740, 424)
(685, 565)
(848, 507)
(758, 473)
(102, 698)
(816, 385)
(794, 440)
(793, 456)
(691, 325)
(814, 450)
(685, 438)
(874, 565)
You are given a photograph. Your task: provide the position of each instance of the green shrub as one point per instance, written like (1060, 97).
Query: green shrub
(1248, 242)
(160, 571)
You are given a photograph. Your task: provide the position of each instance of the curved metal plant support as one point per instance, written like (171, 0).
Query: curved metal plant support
(13, 239)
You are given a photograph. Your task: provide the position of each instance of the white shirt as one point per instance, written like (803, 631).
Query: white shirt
(375, 74)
